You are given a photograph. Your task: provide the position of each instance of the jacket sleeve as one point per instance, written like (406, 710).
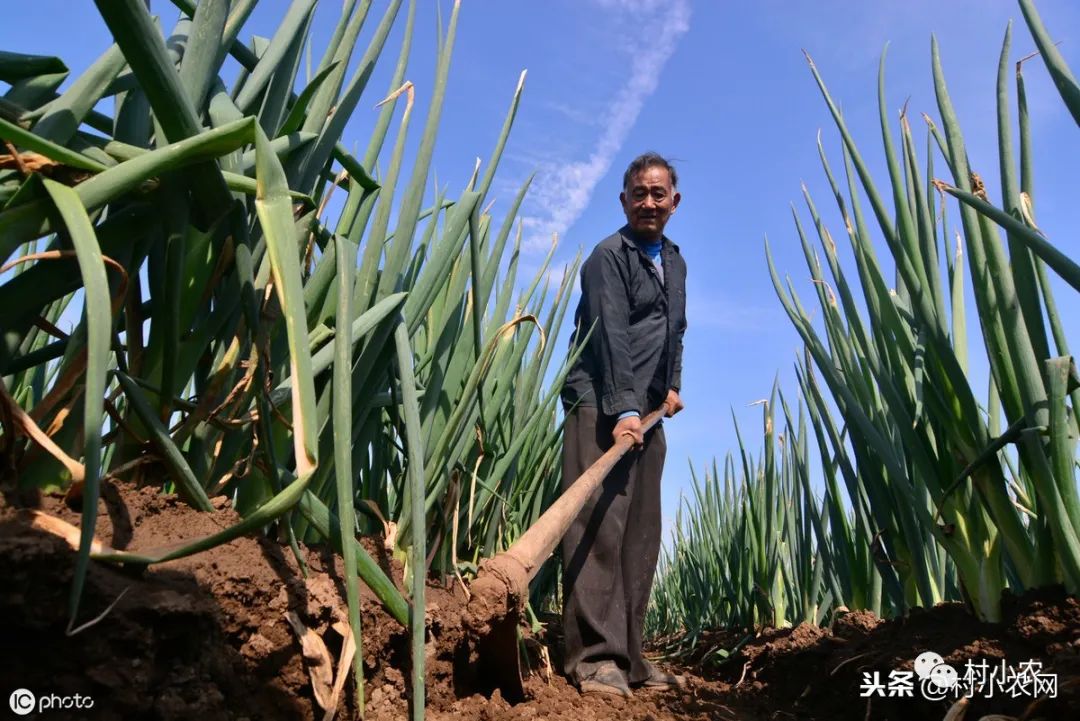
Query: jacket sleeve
(680, 329)
(605, 286)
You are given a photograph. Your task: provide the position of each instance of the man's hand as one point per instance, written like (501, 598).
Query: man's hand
(674, 403)
(630, 426)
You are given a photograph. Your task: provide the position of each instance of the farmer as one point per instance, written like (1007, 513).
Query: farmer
(633, 296)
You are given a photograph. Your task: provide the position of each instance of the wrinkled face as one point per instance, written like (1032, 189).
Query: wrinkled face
(649, 200)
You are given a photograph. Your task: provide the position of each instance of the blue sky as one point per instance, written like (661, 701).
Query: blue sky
(721, 87)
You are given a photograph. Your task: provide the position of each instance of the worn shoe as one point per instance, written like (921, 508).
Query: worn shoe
(606, 679)
(661, 680)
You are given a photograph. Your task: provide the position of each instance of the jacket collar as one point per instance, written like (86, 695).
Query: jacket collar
(666, 248)
(629, 237)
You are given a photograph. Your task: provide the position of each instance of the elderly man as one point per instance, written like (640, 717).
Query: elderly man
(633, 297)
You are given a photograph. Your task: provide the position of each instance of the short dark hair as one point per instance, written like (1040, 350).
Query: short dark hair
(649, 160)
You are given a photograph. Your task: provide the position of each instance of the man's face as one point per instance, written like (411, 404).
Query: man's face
(649, 200)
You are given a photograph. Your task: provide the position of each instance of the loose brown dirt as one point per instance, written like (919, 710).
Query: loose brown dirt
(206, 637)
(818, 672)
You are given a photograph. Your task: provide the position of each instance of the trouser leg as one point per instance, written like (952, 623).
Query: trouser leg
(641, 545)
(594, 604)
(610, 550)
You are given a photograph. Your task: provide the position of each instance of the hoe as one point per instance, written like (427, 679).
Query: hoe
(502, 584)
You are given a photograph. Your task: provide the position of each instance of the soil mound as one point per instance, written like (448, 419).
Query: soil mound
(808, 672)
(200, 637)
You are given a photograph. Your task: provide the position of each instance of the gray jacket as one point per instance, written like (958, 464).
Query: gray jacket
(634, 354)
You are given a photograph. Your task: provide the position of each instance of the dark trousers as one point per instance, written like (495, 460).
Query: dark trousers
(610, 552)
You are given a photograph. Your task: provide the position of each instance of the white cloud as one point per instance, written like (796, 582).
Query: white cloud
(564, 186)
(581, 116)
(633, 5)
